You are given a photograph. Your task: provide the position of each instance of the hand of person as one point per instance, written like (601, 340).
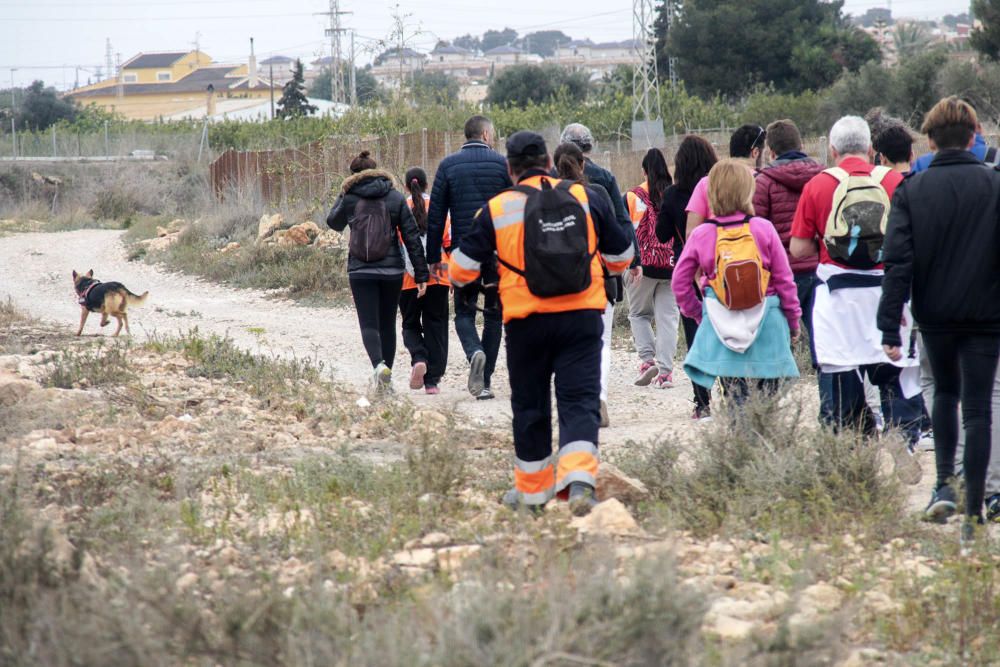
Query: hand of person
(894, 352)
(434, 269)
(796, 336)
(421, 289)
(636, 272)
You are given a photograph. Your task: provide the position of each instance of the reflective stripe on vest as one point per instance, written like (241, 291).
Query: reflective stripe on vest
(507, 214)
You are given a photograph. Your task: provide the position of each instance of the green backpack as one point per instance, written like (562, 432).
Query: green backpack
(855, 229)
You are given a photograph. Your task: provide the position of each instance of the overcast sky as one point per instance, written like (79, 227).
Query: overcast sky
(47, 39)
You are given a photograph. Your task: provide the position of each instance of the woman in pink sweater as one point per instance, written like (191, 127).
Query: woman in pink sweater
(738, 345)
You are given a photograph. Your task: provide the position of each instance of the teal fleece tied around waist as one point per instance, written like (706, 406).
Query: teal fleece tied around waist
(770, 356)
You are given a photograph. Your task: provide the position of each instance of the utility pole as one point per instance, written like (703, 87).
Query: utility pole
(647, 124)
(338, 94)
(118, 73)
(108, 61)
(271, 66)
(354, 80)
(13, 112)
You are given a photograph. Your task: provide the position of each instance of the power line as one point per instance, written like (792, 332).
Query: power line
(90, 19)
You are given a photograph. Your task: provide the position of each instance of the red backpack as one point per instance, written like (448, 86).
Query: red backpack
(652, 253)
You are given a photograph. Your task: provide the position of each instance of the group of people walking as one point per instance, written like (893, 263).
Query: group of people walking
(744, 254)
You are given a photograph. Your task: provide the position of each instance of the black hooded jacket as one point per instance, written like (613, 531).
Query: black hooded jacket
(942, 245)
(377, 184)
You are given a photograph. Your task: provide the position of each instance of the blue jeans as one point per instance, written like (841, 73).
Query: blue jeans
(843, 404)
(465, 325)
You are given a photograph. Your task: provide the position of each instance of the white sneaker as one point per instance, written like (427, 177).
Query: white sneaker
(382, 378)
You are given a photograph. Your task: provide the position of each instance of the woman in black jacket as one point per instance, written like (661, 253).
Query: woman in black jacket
(378, 216)
(942, 249)
(694, 159)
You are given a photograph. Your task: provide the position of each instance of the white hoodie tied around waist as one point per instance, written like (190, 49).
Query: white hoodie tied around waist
(845, 332)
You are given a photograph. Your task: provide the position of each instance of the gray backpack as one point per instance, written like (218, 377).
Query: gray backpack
(371, 231)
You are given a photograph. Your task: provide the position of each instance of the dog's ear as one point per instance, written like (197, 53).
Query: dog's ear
(75, 274)
(90, 274)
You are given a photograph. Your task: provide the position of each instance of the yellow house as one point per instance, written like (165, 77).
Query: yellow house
(153, 85)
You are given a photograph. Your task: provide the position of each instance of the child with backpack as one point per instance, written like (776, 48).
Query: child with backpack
(425, 320)
(378, 217)
(750, 313)
(648, 286)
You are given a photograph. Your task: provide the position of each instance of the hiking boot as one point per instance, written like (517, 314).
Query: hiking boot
(942, 505)
(907, 467)
(477, 368)
(432, 390)
(512, 501)
(382, 378)
(702, 414)
(605, 420)
(972, 530)
(417, 374)
(485, 395)
(647, 371)
(993, 508)
(664, 381)
(582, 498)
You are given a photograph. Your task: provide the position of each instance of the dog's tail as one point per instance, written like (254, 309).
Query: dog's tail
(135, 299)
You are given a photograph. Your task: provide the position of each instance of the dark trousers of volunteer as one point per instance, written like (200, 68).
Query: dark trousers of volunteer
(466, 300)
(964, 368)
(738, 390)
(376, 299)
(805, 285)
(568, 346)
(702, 396)
(842, 401)
(425, 329)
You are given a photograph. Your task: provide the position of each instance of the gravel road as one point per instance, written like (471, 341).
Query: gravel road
(36, 270)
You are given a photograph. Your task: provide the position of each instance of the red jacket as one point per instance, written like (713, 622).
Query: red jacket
(776, 197)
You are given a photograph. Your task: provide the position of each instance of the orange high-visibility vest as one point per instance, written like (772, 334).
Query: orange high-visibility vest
(408, 281)
(507, 214)
(636, 207)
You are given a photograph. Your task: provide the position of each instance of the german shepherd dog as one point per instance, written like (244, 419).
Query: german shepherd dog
(108, 299)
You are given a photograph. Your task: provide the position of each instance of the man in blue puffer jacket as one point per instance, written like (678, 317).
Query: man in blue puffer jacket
(465, 181)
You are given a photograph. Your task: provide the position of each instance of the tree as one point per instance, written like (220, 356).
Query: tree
(369, 90)
(522, 85)
(910, 39)
(467, 42)
(544, 42)
(494, 38)
(293, 102)
(41, 107)
(874, 15)
(731, 46)
(433, 88)
(986, 37)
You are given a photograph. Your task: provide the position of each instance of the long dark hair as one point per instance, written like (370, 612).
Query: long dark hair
(657, 175)
(695, 158)
(569, 162)
(416, 183)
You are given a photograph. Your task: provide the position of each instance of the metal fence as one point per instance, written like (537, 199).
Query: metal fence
(106, 142)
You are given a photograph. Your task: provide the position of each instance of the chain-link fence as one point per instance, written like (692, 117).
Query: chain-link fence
(104, 142)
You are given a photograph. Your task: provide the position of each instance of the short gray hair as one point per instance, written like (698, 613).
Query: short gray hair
(578, 134)
(851, 135)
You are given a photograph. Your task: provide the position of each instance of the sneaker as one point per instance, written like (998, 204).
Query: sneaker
(605, 420)
(942, 505)
(477, 367)
(485, 395)
(907, 467)
(432, 390)
(993, 508)
(382, 377)
(512, 501)
(702, 414)
(417, 374)
(647, 371)
(664, 381)
(972, 530)
(582, 498)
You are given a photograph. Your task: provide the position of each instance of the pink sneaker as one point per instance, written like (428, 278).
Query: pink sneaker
(417, 374)
(647, 371)
(434, 391)
(664, 381)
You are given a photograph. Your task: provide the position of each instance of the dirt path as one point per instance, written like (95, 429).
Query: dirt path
(36, 272)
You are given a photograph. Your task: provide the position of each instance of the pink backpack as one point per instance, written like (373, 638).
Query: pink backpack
(652, 253)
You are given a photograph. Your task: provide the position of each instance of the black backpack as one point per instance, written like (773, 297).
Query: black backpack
(557, 253)
(371, 231)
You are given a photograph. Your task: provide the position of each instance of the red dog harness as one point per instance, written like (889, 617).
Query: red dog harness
(82, 298)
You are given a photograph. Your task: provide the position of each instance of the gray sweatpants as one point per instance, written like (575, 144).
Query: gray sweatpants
(993, 472)
(652, 299)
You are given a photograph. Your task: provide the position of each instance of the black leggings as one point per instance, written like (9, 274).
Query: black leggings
(702, 396)
(376, 300)
(964, 368)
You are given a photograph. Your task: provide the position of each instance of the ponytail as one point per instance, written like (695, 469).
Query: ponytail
(569, 162)
(416, 184)
(657, 175)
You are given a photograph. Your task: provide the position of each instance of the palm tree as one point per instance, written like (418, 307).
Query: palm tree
(911, 39)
